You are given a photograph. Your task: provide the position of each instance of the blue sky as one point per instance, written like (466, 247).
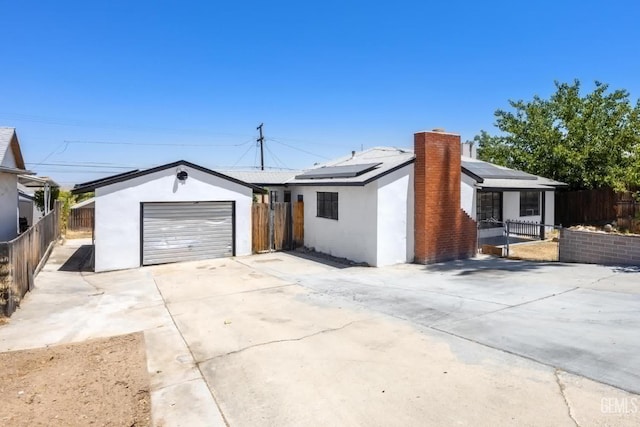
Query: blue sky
(166, 80)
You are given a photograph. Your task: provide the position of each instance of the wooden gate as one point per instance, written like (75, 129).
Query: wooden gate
(277, 226)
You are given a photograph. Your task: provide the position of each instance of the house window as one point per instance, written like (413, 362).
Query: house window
(327, 205)
(529, 203)
(489, 207)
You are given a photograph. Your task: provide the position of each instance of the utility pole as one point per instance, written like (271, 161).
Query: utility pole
(261, 141)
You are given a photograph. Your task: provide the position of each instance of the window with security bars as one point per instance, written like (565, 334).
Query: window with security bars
(327, 205)
(489, 207)
(529, 203)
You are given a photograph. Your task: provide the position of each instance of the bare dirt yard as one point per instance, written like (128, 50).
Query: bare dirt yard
(97, 382)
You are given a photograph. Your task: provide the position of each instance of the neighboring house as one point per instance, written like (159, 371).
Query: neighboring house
(175, 212)
(90, 203)
(11, 166)
(28, 211)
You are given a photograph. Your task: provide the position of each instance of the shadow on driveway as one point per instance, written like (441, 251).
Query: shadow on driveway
(467, 267)
(80, 260)
(325, 259)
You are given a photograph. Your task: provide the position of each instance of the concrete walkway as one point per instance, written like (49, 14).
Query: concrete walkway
(276, 339)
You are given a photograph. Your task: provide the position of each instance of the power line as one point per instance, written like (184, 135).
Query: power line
(154, 144)
(51, 153)
(299, 149)
(244, 154)
(306, 141)
(80, 171)
(82, 165)
(276, 159)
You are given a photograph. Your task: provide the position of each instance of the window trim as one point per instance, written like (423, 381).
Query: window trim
(499, 209)
(327, 203)
(526, 203)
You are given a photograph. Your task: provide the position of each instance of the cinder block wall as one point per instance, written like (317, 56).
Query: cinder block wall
(599, 248)
(443, 231)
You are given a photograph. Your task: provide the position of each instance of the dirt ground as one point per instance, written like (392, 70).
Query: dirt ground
(97, 382)
(546, 250)
(69, 234)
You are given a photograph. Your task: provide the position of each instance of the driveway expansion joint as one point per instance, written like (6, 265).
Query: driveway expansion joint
(224, 418)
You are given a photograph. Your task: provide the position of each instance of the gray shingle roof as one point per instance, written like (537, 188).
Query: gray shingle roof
(260, 177)
(7, 135)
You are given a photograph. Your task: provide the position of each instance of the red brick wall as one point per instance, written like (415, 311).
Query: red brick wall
(443, 231)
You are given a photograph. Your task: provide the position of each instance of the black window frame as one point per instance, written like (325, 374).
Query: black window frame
(327, 205)
(489, 207)
(530, 203)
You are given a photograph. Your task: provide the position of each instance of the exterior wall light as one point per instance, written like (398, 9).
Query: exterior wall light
(182, 175)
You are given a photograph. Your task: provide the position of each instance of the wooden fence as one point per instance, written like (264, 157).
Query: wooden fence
(277, 226)
(81, 219)
(585, 206)
(260, 227)
(599, 206)
(298, 224)
(628, 212)
(22, 258)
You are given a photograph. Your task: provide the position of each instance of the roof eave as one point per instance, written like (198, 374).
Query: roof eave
(16, 171)
(93, 185)
(325, 183)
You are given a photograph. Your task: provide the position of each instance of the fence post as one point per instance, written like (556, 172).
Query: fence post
(5, 279)
(507, 223)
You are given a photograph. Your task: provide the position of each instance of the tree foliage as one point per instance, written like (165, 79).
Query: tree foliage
(585, 141)
(39, 198)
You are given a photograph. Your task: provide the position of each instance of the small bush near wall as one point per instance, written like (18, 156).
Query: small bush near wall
(599, 248)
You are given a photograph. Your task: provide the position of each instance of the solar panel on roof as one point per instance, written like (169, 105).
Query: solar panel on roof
(489, 171)
(348, 171)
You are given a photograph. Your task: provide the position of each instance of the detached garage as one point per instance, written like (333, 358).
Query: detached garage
(170, 213)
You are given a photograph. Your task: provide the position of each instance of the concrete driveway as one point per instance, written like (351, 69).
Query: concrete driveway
(277, 339)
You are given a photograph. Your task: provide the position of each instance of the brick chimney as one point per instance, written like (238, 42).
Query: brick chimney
(443, 231)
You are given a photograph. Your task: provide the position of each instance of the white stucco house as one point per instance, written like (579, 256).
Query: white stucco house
(381, 206)
(11, 166)
(362, 206)
(493, 194)
(175, 212)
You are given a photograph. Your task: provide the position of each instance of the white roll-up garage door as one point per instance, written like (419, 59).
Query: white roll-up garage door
(186, 231)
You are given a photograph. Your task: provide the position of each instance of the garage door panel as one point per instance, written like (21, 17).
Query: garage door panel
(186, 231)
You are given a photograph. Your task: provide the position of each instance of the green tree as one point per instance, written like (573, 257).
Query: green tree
(67, 200)
(39, 198)
(585, 141)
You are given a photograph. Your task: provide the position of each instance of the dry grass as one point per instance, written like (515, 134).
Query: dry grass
(546, 250)
(80, 234)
